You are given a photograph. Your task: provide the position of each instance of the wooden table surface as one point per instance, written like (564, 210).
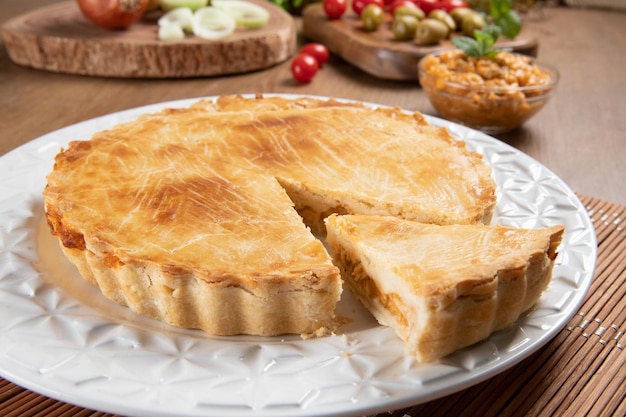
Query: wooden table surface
(580, 135)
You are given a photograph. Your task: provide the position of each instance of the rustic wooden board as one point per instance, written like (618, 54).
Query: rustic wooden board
(377, 53)
(60, 39)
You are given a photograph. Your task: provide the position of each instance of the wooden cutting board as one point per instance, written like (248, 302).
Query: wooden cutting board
(377, 53)
(59, 38)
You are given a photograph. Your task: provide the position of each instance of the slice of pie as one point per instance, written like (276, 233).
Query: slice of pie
(442, 288)
(192, 216)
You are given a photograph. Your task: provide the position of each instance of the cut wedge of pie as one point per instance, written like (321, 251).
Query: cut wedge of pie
(194, 216)
(442, 288)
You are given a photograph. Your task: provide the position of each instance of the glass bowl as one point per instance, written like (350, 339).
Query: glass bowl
(490, 109)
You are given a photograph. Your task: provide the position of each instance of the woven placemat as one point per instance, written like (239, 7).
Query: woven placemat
(582, 371)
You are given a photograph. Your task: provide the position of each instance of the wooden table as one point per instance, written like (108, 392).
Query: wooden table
(580, 135)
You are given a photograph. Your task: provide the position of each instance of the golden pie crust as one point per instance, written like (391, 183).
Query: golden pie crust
(194, 216)
(442, 288)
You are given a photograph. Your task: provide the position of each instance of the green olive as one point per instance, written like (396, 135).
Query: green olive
(411, 11)
(431, 31)
(471, 22)
(459, 13)
(444, 17)
(372, 17)
(403, 27)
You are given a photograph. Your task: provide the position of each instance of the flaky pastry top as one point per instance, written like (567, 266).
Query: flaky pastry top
(443, 262)
(198, 188)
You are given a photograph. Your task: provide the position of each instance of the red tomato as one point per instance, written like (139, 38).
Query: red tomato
(113, 14)
(359, 5)
(318, 51)
(427, 6)
(401, 3)
(449, 5)
(304, 67)
(335, 8)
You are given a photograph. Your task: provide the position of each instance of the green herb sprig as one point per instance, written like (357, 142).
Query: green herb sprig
(502, 15)
(481, 44)
(503, 21)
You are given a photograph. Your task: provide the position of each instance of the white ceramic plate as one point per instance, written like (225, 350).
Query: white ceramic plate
(61, 338)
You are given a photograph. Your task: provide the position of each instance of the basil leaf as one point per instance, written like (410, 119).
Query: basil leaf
(499, 8)
(468, 45)
(482, 34)
(482, 42)
(485, 41)
(493, 31)
(510, 23)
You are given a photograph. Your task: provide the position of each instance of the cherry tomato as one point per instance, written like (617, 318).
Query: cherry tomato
(335, 8)
(359, 5)
(304, 67)
(113, 14)
(427, 6)
(398, 3)
(318, 51)
(449, 5)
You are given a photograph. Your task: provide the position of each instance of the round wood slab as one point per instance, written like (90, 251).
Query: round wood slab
(60, 39)
(377, 52)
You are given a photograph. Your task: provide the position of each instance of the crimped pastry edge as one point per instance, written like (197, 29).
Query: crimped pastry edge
(218, 308)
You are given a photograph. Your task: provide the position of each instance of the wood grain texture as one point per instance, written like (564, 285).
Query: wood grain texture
(377, 52)
(59, 38)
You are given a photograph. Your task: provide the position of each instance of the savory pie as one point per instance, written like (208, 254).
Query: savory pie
(187, 215)
(442, 288)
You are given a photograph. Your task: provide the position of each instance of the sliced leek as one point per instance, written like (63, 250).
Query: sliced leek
(212, 23)
(181, 16)
(246, 14)
(171, 32)
(168, 5)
